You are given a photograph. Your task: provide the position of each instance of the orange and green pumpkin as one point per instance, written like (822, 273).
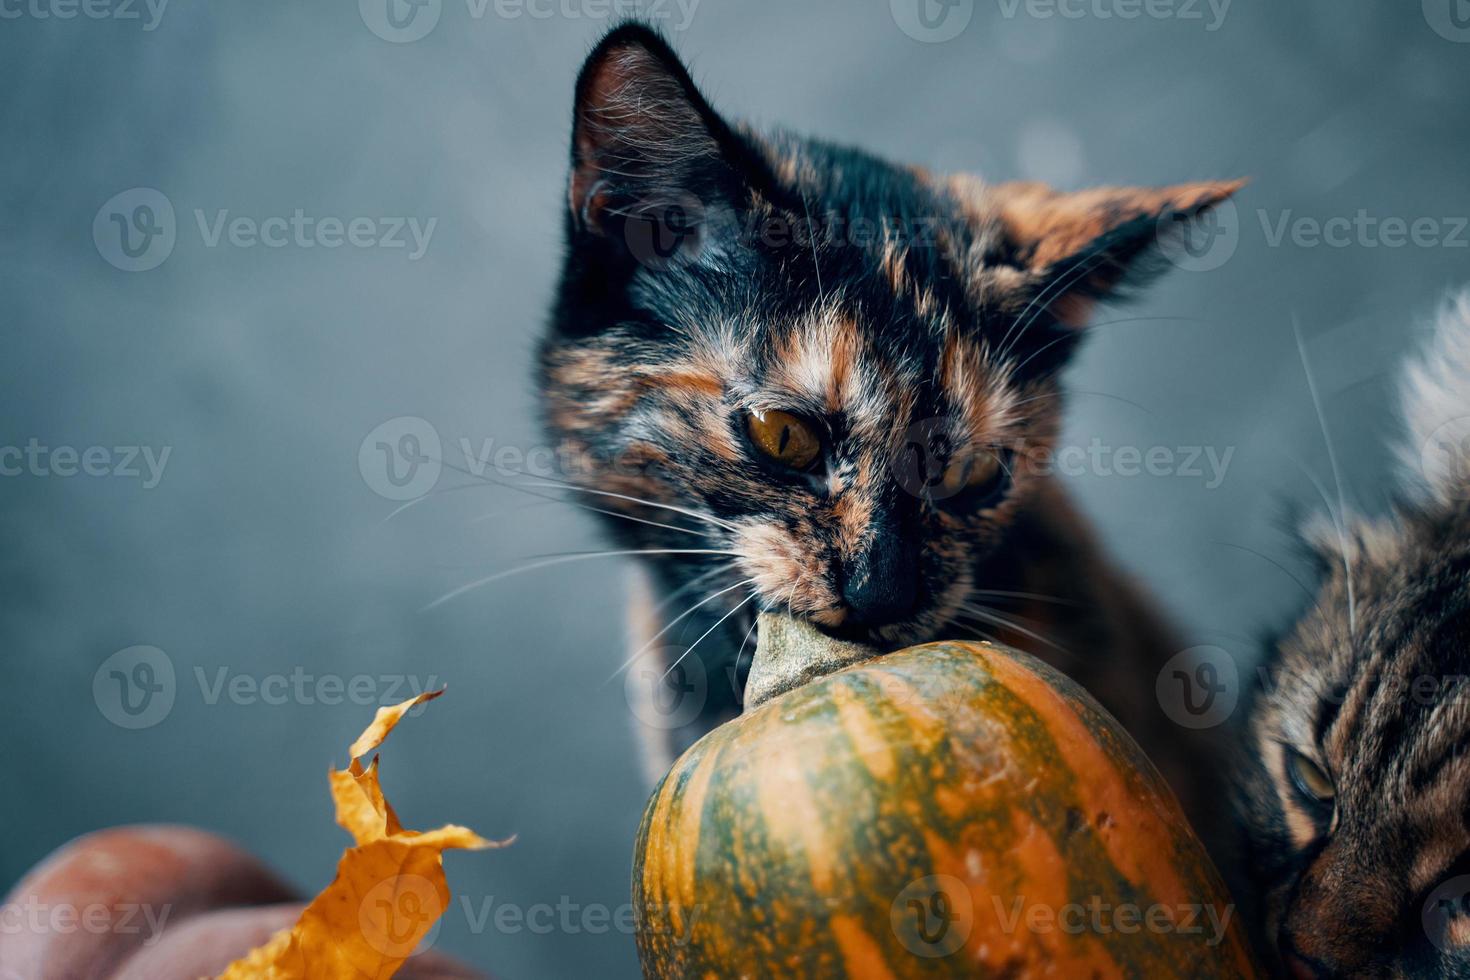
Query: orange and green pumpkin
(951, 810)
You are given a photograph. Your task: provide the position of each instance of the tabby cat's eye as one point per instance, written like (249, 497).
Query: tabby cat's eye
(978, 473)
(784, 438)
(1310, 779)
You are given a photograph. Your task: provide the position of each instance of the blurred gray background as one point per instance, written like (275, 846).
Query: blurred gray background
(266, 548)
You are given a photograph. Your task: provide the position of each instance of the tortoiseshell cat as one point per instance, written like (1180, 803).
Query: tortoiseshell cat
(1357, 793)
(804, 378)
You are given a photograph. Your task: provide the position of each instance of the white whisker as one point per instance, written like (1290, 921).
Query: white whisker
(1271, 561)
(636, 520)
(702, 576)
(718, 622)
(547, 483)
(996, 619)
(1060, 285)
(1083, 391)
(1340, 520)
(1036, 596)
(560, 560)
(483, 481)
(707, 518)
(671, 624)
(430, 495)
(504, 511)
(754, 622)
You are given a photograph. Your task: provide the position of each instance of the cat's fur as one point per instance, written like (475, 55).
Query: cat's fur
(713, 271)
(1373, 686)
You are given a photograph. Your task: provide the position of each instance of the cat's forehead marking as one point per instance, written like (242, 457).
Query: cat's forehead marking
(893, 269)
(821, 357)
(893, 264)
(824, 364)
(986, 402)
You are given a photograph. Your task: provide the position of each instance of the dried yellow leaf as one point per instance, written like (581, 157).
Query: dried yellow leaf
(390, 887)
(384, 722)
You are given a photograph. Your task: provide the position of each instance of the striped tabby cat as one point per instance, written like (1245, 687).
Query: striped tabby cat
(1357, 795)
(794, 376)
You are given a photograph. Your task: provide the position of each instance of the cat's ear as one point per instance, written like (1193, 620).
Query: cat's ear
(1078, 248)
(652, 163)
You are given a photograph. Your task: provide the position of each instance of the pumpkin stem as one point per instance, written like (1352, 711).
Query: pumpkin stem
(789, 652)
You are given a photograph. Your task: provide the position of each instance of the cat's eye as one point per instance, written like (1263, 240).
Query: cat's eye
(1310, 779)
(979, 474)
(784, 438)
